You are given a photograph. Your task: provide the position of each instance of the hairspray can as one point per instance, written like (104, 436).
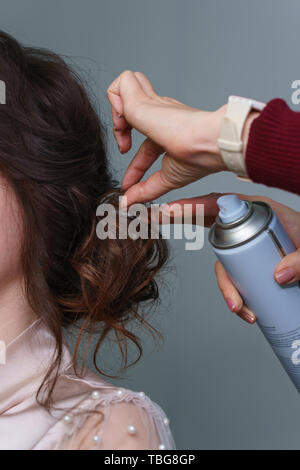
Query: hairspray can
(250, 241)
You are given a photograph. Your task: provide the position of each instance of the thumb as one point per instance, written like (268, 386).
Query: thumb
(288, 270)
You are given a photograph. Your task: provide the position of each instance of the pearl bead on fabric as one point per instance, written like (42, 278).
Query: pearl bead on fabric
(97, 439)
(166, 421)
(131, 429)
(95, 394)
(161, 447)
(142, 394)
(120, 393)
(67, 419)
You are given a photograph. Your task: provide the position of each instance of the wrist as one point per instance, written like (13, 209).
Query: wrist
(204, 136)
(217, 117)
(213, 147)
(204, 132)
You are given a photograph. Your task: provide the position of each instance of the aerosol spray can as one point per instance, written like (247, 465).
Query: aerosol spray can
(250, 241)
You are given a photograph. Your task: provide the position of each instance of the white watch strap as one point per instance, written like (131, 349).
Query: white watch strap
(230, 139)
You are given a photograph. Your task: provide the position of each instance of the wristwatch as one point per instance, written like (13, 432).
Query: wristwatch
(230, 138)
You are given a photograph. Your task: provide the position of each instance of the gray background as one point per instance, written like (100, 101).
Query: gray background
(215, 376)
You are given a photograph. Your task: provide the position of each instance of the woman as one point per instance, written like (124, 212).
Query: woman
(56, 273)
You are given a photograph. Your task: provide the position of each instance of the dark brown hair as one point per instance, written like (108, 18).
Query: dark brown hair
(52, 154)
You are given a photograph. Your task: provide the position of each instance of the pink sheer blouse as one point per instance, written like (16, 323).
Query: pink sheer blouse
(88, 413)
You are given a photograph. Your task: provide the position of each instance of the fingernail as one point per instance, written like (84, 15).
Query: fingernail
(116, 102)
(231, 304)
(249, 317)
(285, 275)
(123, 202)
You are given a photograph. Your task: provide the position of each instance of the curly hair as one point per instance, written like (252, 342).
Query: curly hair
(52, 153)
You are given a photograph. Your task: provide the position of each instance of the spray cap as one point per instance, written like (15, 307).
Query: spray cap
(238, 222)
(231, 208)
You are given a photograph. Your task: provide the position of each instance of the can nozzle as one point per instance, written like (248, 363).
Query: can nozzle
(231, 208)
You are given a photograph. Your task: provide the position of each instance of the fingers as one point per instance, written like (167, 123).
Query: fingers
(229, 292)
(145, 84)
(153, 187)
(136, 105)
(232, 296)
(127, 91)
(288, 270)
(161, 182)
(209, 201)
(126, 87)
(210, 206)
(123, 91)
(121, 131)
(148, 152)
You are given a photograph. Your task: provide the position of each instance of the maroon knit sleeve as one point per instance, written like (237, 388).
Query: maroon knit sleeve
(273, 149)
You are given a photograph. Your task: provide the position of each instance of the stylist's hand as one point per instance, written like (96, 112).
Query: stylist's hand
(186, 136)
(287, 271)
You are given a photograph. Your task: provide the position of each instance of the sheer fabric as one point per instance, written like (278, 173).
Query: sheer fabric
(88, 413)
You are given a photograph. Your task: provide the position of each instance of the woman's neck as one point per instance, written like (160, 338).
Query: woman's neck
(15, 312)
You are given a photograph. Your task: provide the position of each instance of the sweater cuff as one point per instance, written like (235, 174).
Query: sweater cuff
(273, 148)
